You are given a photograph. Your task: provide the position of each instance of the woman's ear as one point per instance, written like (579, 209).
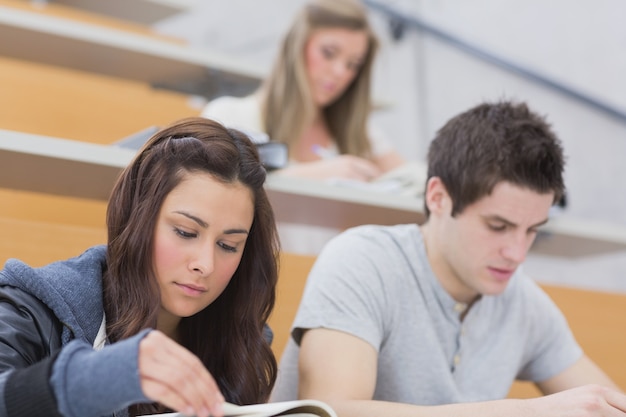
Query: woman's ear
(436, 197)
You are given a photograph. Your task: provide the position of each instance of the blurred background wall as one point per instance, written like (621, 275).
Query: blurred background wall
(566, 59)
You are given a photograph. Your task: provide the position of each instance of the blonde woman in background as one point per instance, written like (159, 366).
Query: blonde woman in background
(317, 97)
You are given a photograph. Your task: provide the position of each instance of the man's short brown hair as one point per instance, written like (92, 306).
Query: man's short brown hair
(496, 142)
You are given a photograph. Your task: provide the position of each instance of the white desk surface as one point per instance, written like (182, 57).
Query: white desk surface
(141, 11)
(78, 169)
(81, 46)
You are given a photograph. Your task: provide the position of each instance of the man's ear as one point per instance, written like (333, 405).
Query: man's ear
(436, 196)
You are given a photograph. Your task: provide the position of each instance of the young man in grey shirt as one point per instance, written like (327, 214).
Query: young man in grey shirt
(440, 319)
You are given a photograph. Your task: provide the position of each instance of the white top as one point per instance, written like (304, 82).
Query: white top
(244, 113)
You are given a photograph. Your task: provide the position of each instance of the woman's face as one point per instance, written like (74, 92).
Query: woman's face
(333, 58)
(199, 239)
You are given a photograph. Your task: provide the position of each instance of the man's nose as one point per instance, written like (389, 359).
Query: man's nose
(516, 248)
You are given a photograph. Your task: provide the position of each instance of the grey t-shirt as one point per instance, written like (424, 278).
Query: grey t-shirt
(375, 283)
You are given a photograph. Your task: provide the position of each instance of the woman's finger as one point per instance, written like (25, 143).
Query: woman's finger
(169, 372)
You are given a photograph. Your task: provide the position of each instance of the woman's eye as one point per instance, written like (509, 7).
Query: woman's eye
(328, 53)
(227, 248)
(185, 235)
(354, 66)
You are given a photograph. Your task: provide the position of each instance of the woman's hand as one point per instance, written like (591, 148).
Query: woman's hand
(341, 166)
(176, 378)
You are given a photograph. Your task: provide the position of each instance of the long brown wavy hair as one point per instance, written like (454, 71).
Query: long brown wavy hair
(228, 334)
(287, 103)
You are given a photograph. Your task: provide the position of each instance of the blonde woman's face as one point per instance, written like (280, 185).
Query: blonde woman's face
(200, 236)
(333, 58)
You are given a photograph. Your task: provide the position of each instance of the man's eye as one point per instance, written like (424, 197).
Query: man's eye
(498, 227)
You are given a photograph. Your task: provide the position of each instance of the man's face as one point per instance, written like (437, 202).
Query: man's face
(477, 251)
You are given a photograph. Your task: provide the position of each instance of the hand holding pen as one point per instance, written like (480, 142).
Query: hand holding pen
(333, 165)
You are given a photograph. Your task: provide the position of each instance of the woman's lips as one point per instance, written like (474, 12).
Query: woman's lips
(190, 289)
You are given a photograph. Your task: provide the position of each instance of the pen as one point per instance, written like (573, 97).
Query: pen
(323, 153)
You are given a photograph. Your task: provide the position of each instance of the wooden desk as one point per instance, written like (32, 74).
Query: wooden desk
(39, 243)
(66, 103)
(293, 272)
(598, 320)
(59, 166)
(61, 102)
(316, 203)
(103, 50)
(85, 170)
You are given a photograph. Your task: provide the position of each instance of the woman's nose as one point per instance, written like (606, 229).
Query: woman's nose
(202, 262)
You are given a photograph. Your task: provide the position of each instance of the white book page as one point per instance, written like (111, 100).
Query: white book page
(298, 408)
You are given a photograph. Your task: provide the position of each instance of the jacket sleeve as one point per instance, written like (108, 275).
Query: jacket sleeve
(29, 337)
(87, 382)
(39, 378)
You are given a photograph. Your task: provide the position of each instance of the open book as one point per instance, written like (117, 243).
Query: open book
(408, 179)
(297, 408)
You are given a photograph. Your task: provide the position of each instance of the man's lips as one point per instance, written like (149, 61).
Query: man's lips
(501, 274)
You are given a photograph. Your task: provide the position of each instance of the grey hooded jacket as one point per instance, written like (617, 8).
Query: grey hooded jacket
(49, 319)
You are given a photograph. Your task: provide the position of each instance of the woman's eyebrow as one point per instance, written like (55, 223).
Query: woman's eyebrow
(196, 219)
(204, 224)
(235, 231)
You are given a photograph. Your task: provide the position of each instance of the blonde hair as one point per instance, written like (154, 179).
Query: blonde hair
(287, 102)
